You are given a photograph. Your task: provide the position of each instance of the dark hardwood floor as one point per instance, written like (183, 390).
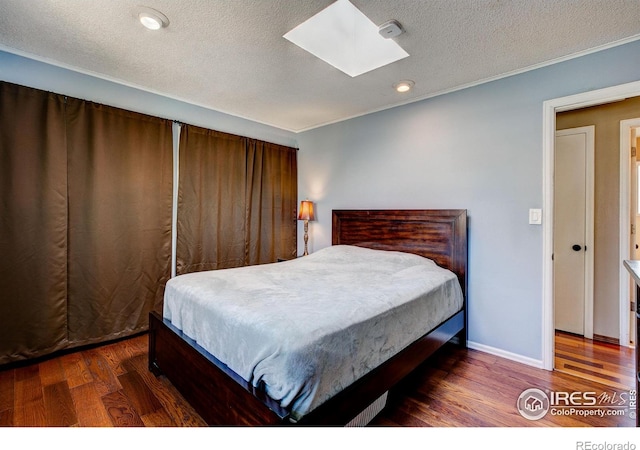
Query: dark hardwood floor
(467, 388)
(110, 386)
(107, 386)
(602, 362)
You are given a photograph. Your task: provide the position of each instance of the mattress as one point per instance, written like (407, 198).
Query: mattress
(305, 329)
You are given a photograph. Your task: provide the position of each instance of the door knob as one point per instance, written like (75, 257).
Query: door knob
(576, 247)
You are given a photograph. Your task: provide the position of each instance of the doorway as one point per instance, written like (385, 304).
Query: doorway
(572, 179)
(630, 208)
(550, 108)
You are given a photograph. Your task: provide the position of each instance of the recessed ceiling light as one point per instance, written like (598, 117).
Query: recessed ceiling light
(152, 19)
(404, 86)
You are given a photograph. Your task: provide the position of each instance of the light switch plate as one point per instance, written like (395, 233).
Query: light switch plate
(535, 217)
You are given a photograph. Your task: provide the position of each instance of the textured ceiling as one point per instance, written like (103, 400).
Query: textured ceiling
(229, 55)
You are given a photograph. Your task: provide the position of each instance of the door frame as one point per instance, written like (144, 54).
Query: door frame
(625, 222)
(549, 110)
(589, 131)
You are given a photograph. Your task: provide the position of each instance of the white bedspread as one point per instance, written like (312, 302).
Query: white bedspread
(309, 327)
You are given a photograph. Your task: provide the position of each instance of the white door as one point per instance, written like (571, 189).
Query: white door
(573, 231)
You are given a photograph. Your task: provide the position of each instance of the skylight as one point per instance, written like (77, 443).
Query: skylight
(341, 35)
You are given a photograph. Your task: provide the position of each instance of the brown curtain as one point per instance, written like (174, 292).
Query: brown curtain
(272, 196)
(211, 198)
(33, 223)
(236, 202)
(120, 199)
(85, 221)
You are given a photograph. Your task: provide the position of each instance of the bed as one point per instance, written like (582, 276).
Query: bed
(247, 382)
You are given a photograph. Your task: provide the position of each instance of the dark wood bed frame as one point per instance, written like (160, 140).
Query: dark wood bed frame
(221, 397)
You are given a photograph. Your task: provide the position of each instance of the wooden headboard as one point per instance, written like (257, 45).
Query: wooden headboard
(440, 234)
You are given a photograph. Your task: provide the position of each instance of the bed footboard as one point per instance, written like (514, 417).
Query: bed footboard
(217, 393)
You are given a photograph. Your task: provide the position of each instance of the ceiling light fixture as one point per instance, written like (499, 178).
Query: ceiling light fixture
(152, 19)
(404, 86)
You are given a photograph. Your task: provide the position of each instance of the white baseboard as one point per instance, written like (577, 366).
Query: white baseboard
(505, 354)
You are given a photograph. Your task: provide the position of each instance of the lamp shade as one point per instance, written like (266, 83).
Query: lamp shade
(306, 211)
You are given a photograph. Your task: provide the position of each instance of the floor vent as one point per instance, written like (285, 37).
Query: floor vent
(371, 411)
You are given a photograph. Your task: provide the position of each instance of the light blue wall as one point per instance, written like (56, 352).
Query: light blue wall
(31, 73)
(479, 149)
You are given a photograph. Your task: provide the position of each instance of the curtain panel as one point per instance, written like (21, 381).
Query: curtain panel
(33, 223)
(236, 202)
(211, 194)
(120, 187)
(85, 221)
(271, 202)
